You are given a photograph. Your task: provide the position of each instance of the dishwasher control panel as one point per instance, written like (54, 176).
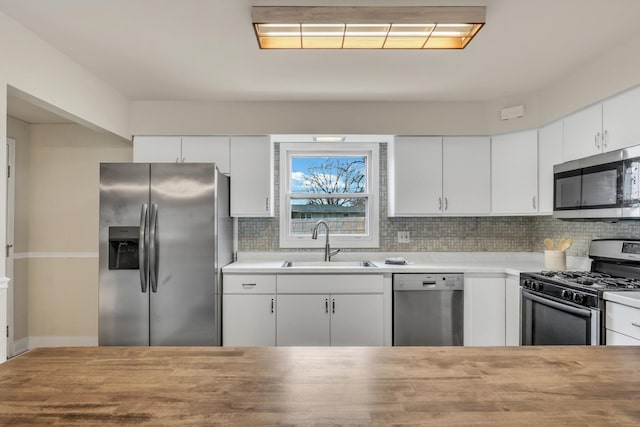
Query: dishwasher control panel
(431, 281)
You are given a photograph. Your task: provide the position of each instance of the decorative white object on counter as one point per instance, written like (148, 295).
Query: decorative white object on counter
(555, 260)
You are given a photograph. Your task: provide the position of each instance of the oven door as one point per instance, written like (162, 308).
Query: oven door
(546, 321)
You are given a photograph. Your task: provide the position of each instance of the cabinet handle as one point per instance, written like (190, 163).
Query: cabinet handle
(636, 324)
(177, 159)
(446, 203)
(333, 306)
(326, 305)
(534, 202)
(266, 202)
(248, 284)
(272, 305)
(598, 140)
(605, 138)
(439, 203)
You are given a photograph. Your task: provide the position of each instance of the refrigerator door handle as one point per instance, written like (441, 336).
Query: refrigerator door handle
(143, 259)
(153, 248)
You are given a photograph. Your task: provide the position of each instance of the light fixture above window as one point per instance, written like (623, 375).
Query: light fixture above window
(364, 27)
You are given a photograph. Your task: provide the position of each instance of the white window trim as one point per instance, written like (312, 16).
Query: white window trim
(372, 151)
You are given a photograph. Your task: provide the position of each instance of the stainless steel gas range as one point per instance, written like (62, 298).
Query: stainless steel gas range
(567, 307)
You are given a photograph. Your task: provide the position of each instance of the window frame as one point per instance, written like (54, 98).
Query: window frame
(369, 150)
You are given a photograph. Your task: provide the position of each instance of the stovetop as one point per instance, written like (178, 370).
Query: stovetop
(592, 280)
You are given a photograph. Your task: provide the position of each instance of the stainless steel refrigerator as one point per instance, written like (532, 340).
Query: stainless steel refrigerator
(165, 234)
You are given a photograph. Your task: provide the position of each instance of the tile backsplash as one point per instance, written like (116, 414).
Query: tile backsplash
(449, 234)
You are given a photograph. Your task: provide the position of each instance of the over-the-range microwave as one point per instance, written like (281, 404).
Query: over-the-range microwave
(605, 186)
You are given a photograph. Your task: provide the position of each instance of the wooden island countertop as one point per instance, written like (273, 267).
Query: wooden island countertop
(332, 385)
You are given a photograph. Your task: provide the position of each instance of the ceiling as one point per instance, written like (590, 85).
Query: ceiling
(206, 50)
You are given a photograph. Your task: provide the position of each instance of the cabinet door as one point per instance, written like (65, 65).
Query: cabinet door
(514, 167)
(620, 122)
(157, 149)
(415, 176)
(251, 172)
(549, 154)
(484, 311)
(248, 320)
(466, 182)
(583, 133)
(615, 338)
(303, 320)
(512, 311)
(356, 320)
(207, 149)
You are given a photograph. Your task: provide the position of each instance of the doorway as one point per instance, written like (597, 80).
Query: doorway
(11, 187)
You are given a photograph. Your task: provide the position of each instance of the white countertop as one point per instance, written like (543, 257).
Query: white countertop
(631, 298)
(511, 263)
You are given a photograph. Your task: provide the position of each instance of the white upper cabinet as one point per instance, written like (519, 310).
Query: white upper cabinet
(466, 175)
(439, 176)
(603, 127)
(549, 154)
(514, 166)
(207, 149)
(251, 176)
(415, 176)
(620, 124)
(157, 149)
(182, 149)
(583, 133)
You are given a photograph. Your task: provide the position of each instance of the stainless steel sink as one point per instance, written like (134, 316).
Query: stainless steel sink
(327, 264)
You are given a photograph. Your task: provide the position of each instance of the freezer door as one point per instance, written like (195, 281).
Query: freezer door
(123, 304)
(183, 280)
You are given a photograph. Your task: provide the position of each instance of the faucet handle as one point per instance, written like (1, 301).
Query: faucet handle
(333, 252)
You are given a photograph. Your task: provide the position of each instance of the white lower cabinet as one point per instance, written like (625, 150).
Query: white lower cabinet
(330, 309)
(249, 320)
(249, 310)
(622, 323)
(303, 320)
(512, 311)
(303, 310)
(484, 311)
(322, 320)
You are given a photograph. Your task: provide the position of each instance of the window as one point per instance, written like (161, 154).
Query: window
(334, 183)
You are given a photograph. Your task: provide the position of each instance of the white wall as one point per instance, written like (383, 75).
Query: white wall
(173, 117)
(609, 73)
(45, 75)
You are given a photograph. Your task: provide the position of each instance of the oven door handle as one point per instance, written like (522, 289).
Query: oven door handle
(559, 306)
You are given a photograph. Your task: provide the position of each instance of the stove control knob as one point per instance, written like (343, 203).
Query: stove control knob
(566, 294)
(536, 286)
(578, 298)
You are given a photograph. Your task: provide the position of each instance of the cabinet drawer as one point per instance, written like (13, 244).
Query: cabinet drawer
(614, 338)
(249, 284)
(329, 283)
(623, 319)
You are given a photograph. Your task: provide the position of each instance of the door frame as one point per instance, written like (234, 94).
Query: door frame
(9, 262)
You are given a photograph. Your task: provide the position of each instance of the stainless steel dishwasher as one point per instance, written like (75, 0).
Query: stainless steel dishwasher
(428, 309)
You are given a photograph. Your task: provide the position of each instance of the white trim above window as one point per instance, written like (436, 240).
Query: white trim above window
(366, 197)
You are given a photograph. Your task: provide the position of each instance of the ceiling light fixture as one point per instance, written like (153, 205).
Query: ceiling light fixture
(364, 27)
(328, 138)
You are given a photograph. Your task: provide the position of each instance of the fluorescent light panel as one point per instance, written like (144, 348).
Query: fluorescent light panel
(353, 27)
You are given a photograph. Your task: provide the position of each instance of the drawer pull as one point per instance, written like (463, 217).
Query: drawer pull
(636, 324)
(248, 284)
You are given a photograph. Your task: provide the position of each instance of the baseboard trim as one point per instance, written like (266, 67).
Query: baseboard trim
(55, 341)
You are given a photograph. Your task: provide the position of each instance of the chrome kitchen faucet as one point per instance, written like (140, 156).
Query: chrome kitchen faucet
(328, 253)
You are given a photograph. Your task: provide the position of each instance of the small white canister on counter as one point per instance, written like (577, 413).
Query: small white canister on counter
(555, 260)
